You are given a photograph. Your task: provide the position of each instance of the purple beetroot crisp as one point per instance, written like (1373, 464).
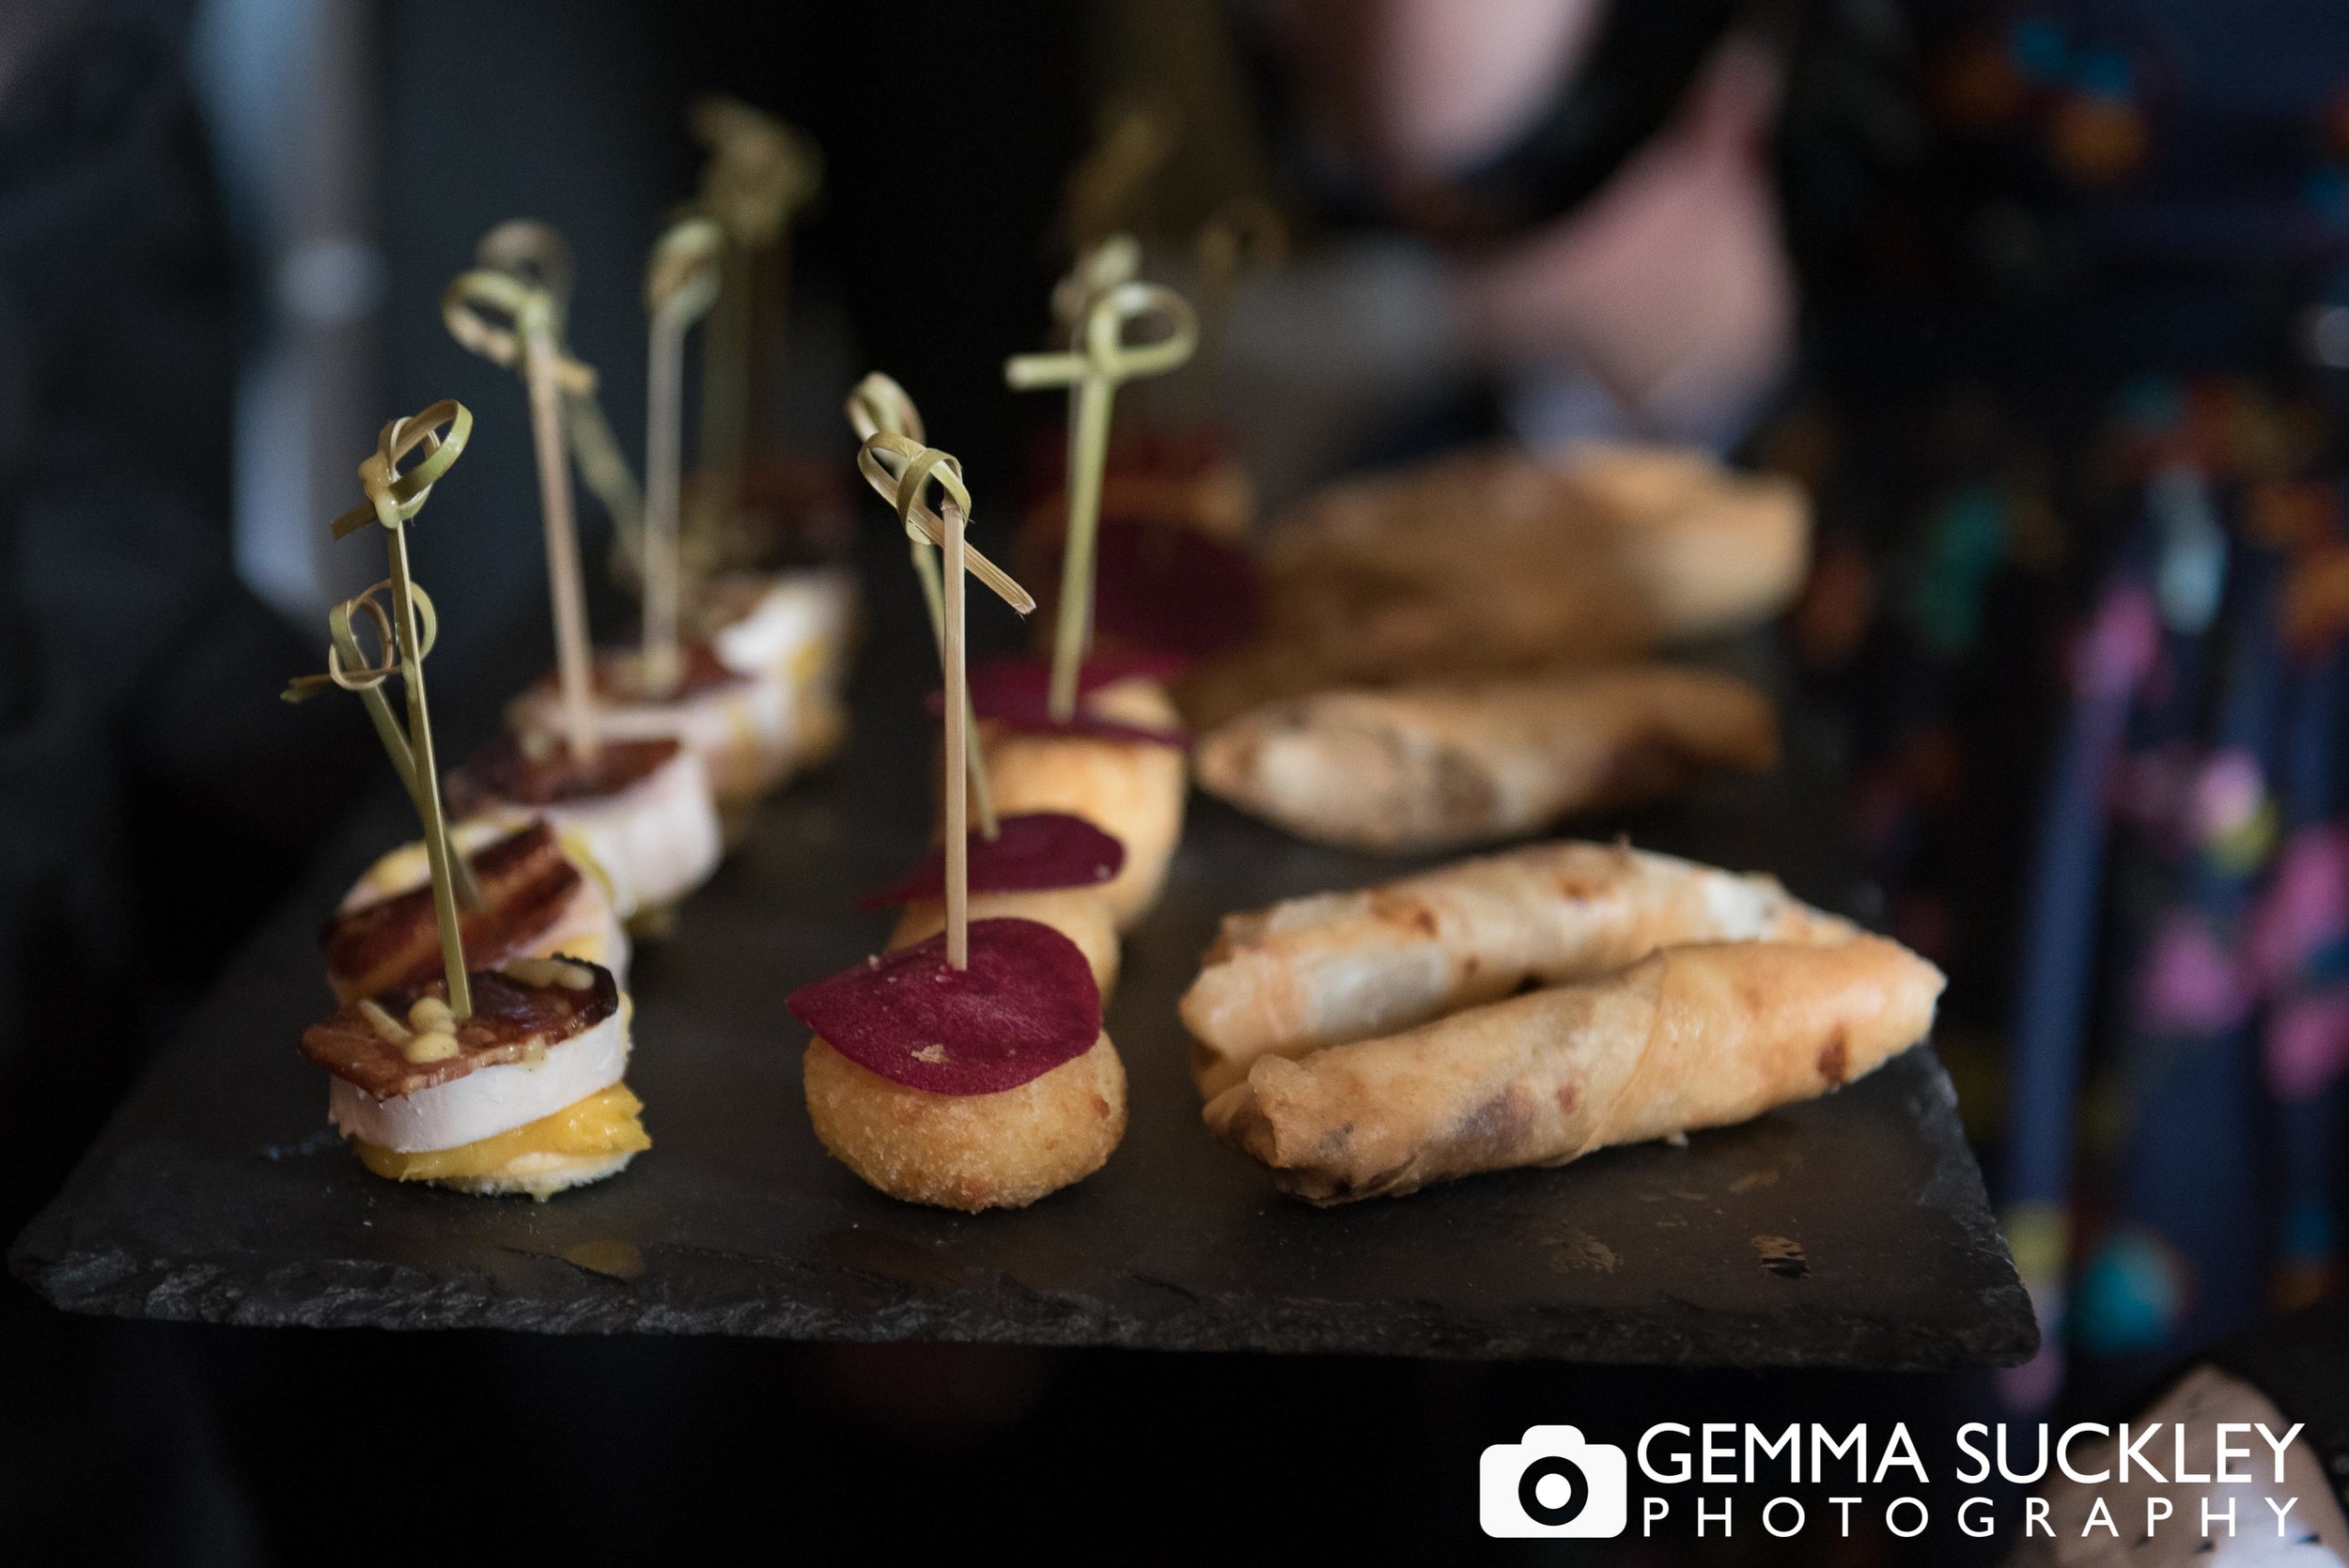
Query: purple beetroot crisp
(1164, 586)
(1030, 851)
(1026, 1005)
(1018, 693)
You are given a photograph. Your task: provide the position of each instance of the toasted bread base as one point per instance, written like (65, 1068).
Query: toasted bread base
(540, 1176)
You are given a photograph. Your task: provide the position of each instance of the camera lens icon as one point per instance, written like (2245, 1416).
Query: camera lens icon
(1553, 1483)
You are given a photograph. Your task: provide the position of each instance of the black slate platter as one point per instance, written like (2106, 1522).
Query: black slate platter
(1848, 1232)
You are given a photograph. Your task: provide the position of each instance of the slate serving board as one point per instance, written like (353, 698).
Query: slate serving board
(1849, 1231)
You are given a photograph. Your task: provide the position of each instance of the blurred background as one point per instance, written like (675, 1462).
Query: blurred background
(2048, 302)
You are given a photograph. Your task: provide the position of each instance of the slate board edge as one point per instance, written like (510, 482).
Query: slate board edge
(110, 1283)
(191, 1292)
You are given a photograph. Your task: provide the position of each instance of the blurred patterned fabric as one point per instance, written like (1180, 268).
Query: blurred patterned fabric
(2083, 578)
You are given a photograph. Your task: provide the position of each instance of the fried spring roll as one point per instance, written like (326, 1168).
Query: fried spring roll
(1690, 1038)
(1336, 967)
(1441, 766)
(1130, 789)
(1490, 562)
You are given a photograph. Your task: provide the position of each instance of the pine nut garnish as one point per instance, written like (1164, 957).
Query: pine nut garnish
(531, 972)
(432, 1045)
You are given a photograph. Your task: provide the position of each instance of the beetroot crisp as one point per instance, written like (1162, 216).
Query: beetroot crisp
(1026, 1005)
(1018, 693)
(1035, 849)
(1168, 588)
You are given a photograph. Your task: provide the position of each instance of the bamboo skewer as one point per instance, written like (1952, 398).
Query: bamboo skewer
(349, 668)
(877, 404)
(472, 306)
(394, 498)
(537, 254)
(761, 173)
(958, 675)
(679, 286)
(1093, 372)
(901, 482)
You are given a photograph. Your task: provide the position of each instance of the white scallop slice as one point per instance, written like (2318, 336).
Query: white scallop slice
(742, 731)
(488, 1100)
(656, 840)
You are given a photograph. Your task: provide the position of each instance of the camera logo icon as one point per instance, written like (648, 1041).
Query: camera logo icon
(1551, 1482)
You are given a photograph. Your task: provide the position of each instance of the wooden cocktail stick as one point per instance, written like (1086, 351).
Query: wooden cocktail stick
(1093, 371)
(877, 404)
(512, 323)
(538, 254)
(901, 482)
(680, 284)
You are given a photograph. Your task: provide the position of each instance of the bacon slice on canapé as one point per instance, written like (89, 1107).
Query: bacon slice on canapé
(525, 881)
(513, 1018)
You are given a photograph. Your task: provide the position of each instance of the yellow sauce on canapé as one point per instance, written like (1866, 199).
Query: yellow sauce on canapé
(605, 1122)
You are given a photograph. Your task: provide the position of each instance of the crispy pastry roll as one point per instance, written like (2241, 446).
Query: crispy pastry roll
(1336, 967)
(1690, 1038)
(1441, 766)
(1130, 789)
(1492, 561)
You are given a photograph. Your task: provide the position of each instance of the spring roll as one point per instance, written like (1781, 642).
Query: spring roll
(1697, 1037)
(1338, 967)
(1489, 562)
(1130, 789)
(1443, 767)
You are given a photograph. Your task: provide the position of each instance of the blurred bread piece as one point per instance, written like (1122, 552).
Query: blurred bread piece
(1130, 789)
(1690, 1038)
(1338, 967)
(1445, 766)
(1492, 562)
